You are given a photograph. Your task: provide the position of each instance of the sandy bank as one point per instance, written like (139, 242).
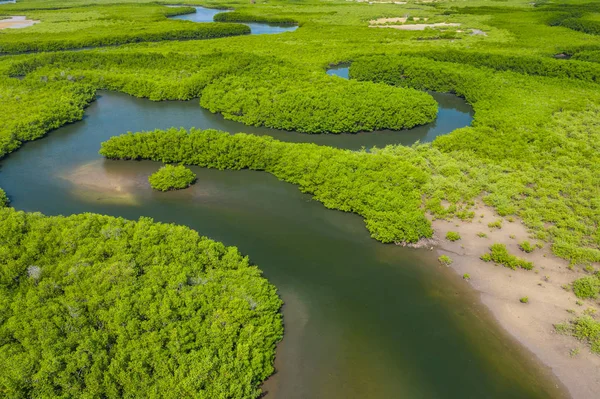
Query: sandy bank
(415, 26)
(97, 181)
(501, 288)
(16, 22)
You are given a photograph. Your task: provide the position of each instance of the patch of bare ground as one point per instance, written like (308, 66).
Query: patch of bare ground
(16, 22)
(500, 288)
(415, 26)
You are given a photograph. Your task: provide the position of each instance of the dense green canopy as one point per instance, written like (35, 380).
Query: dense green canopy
(170, 177)
(100, 307)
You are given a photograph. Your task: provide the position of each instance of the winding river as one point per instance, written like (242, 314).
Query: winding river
(362, 319)
(203, 14)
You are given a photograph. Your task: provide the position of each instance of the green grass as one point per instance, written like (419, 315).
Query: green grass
(526, 246)
(585, 328)
(587, 287)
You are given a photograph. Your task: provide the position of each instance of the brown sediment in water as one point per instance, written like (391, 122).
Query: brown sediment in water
(95, 181)
(500, 288)
(16, 22)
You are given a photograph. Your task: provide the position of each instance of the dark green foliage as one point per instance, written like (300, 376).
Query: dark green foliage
(587, 287)
(95, 306)
(452, 236)
(383, 189)
(499, 254)
(171, 177)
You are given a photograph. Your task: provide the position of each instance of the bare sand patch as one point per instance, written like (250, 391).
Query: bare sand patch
(16, 22)
(415, 26)
(94, 181)
(381, 21)
(500, 288)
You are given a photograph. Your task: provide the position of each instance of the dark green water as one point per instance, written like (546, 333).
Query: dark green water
(363, 319)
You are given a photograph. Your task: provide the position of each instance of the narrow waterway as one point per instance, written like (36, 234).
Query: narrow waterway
(203, 14)
(362, 319)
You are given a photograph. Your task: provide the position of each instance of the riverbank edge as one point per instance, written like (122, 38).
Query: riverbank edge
(500, 289)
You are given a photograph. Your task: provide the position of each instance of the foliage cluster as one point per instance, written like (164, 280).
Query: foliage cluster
(584, 328)
(385, 190)
(500, 255)
(170, 177)
(96, 306)
(3, 199)
(526, 246)
(587, 287)
(445, 260)
(107, 25)
(237, 16)
(452, 236)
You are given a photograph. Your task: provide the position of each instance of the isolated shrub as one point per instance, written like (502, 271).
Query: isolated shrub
(497, 224)
(445, 260)
(499, 254)
(452, 236)
(587, 287)
(526, 246)
(171, 177)
(524, 299)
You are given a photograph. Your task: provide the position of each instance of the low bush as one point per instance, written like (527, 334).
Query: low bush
(171, 177)
(3, 199)
(587, 287)
(445, 260)
(526, 246)
(499, 254)
(584, 328)
(95, 306)
(452, 236)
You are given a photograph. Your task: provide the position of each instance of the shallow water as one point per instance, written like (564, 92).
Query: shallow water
(207, 15)
(363, 319)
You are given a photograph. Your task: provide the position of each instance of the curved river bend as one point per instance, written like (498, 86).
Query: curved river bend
(363, 319)
(203, 14)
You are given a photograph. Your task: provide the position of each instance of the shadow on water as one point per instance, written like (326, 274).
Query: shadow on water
(203, 14)
(363, 319)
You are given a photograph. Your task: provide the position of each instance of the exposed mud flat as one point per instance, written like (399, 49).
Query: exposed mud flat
(500, 288)
(416, 26)
(16, 22)
(96, 181)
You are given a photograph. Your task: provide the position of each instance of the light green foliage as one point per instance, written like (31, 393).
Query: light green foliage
(466, 276)
(481, 235)
(524, 299)
(381, 188)
(452, 236)
(3, 199)
(499, 254)
(587, 287)
(584, 328)
(445, 260)
(96, 306)
(171, 177)
(29, 109)
(526, 246)
(93, 26)
(496, 224)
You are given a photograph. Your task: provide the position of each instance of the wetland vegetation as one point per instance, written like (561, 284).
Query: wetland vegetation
(532, 152)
